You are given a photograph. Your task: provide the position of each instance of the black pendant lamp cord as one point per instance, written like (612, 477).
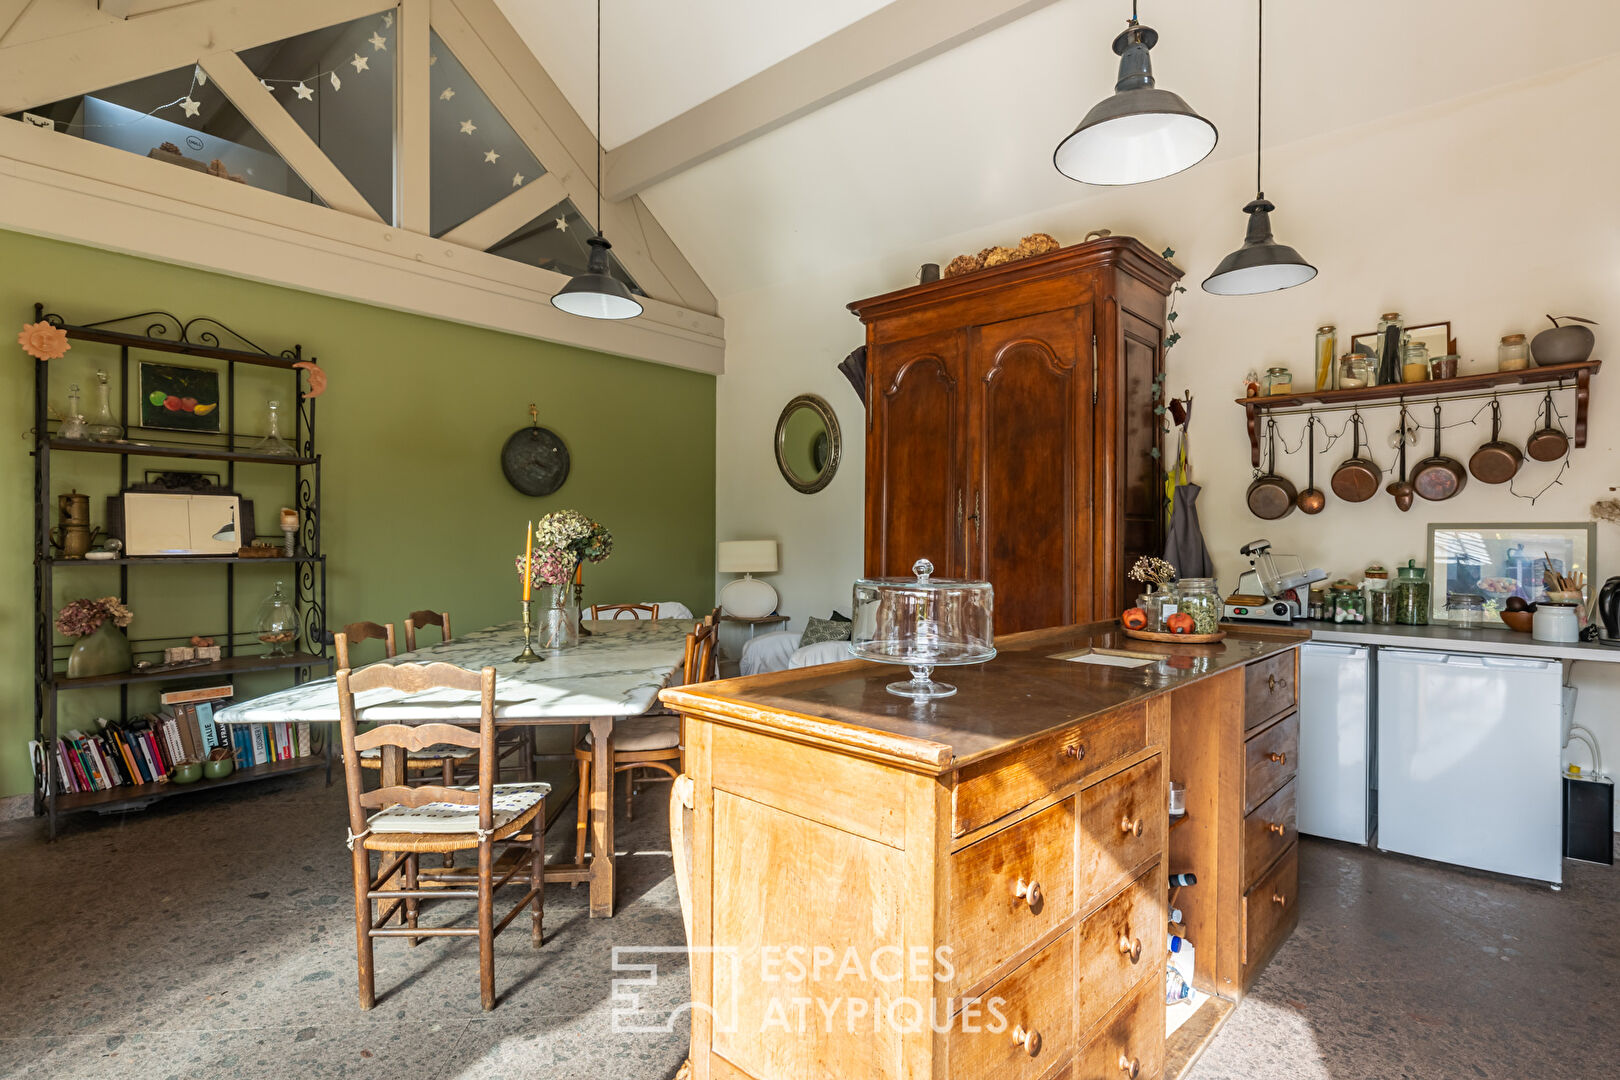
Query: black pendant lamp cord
(1259, 92)
(598, 117)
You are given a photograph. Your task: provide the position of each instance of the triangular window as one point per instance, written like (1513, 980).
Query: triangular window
(556, 241)
(476, 158)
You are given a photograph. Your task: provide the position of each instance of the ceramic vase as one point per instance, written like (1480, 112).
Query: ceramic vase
(104, 652)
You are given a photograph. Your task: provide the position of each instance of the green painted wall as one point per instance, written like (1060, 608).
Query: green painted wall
(417, 513)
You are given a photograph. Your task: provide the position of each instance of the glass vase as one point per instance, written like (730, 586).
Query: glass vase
(278, 623)
(105, 427)
(559, 620)
(273, 443)
(103, 652)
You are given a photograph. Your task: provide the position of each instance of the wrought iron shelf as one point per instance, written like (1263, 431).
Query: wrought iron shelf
(1394, 394)
(160, 323)
(187, 560)
(231, 665)
(199, 453)
(135, 795)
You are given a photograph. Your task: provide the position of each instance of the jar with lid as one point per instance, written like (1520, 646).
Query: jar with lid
(1349, 602)
(278, 623)
(1465, 609)
(1513, 354)
(1327, 367)
(1319, 604)
(1197, 597)
(1381, 606)
(1375, 572)
(1158, 606)
(1411, 595)
(1391, 332)
(923, 623)
(1414, 362)
(1279, 380)
(1352, 372)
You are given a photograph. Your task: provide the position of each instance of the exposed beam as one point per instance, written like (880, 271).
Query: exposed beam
(110, 52)
(888, 41)
(118, 9)
(260, 108)
(486, 229)
(412, 197)
(10, 12)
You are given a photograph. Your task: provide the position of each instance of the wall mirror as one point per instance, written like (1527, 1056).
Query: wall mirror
(807, 443)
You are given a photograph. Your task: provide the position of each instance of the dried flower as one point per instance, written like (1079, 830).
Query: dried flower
(43, 341)
(1152, 571)
(563, 540)
(83, 617)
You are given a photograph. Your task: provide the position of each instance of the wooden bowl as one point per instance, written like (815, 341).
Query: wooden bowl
(1519, 620)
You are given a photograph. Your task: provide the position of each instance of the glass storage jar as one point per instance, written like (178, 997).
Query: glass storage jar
(923, 623)
(1158, 605)
(1465, 609)
(1279, 380)
(1381, 606)
(1197, 597)
(1411, 595)
(1414, 362)
(278, 623)
(1327, 367)
(1349, 602)
(1513, 354)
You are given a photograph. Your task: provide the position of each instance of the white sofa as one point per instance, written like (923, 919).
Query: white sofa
(781, 651)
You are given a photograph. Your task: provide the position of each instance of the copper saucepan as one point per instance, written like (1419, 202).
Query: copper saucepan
(1438, 478)
(1498, 461)
(1271, 496)
(1357, 479)
(1547, 443)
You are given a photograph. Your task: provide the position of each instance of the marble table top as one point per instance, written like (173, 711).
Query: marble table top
(617, 671)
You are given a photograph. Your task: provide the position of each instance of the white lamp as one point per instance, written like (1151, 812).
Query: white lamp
(747, 597)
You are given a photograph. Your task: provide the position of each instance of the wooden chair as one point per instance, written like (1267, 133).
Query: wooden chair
(434, 760)
(418, 619)
(647, 743)
(412, 820)
(615, 612)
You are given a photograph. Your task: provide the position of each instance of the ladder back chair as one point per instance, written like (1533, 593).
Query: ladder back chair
(403, 823)
(652, 742)
(419, 619)
(615, 612)
(441, 760)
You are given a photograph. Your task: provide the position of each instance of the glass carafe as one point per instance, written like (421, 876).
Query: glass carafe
(104, 428)
(73, 425)
(278, 623)
(273, 443)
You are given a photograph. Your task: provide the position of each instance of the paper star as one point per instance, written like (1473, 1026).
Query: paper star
(468, 127)
(199, 76)
(517, 180)
(360, 63)
(388, 18)
(337, 83)
(433, 58)
(562, 224)
(267, 86)
(191, 107)
(378, 42)
(304, 93)
(446, 94)
(491, 156)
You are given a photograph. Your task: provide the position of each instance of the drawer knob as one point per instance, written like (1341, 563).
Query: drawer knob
(1029, 1039)
(1277, 758)
(1279, 898)
(1029, 892)
(1131, 827)
(1130, 948)
(1131, 1067)
(1277, 827)
(1074, 752)
(1271, 682)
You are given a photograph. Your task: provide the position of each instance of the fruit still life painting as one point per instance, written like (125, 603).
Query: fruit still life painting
(179, 398)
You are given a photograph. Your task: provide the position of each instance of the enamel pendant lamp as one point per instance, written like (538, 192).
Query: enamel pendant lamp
(1140, 133)
(597, 294)
(1261, 265)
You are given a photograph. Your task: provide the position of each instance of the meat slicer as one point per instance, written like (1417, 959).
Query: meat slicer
(1275, 588)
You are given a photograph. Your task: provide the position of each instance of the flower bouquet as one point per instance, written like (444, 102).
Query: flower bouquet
(100, 648)
(563, 542)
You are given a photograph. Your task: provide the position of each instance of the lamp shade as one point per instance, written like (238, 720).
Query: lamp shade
(1261, 265)
(747, 557)
(597, 294)
(1141, 132)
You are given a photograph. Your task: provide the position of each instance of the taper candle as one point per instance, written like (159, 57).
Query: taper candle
(528, 561)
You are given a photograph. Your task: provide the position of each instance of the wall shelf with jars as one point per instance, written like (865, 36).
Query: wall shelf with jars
(145, 407)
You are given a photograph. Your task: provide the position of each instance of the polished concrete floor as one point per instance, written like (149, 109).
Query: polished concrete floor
(212, 937)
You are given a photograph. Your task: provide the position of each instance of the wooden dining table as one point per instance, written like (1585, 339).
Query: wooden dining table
(612, 674)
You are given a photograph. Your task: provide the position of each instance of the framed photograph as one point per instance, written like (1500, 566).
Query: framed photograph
(1507, 559)
(179, 398)
(1437, 336)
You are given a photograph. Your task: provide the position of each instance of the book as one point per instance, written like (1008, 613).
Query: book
(261, 752)
(191, 695)
(304, 747)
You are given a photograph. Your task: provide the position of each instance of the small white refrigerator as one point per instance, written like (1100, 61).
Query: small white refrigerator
(1335, 741)
(1469, 758)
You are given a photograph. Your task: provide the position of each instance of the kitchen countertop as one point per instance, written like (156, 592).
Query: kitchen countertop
(1493, 640)
(1024, 692)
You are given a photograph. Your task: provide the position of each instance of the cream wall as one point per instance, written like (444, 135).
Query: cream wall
(1488, 211)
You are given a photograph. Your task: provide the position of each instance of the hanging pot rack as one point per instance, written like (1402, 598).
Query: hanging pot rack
(1394, 395)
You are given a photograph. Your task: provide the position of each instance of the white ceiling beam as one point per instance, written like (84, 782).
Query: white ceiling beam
(888, 41)
(111, 52)
(489, 227)
(413, 199)
(10, 12)
(118, 9)
(261, 109)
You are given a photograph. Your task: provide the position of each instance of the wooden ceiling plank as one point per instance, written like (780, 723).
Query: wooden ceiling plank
(413, 197)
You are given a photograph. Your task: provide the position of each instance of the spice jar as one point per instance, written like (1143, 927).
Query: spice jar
(1381, 606)
(1349, 602)
(1279, 380)
(1444, 367)
(1351, 375)
(1414, 362)
(1411, 595)
(1465, 609)
(1197, 597)
(1513, 354)
(1319, 604)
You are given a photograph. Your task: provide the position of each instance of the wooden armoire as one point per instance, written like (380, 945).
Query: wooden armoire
(1010, 428)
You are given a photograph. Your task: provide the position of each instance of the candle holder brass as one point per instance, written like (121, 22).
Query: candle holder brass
(528, 655)
(579, 597)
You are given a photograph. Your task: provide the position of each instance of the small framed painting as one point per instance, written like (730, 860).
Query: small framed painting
(179, 398)
(1498, 561)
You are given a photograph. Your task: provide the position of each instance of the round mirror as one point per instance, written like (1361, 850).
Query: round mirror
(807, 443)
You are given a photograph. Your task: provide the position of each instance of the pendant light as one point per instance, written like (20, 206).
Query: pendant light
(1261, 265)
(1140, 133)
(597, 294)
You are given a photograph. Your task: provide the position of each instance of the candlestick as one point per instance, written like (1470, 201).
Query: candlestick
(528, 569)
(528, 655)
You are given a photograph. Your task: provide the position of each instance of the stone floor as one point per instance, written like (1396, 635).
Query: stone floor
(213, 937)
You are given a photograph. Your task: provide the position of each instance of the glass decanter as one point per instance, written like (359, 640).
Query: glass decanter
(104, 428)
(278, 623)
(273, 443)
(73, 425)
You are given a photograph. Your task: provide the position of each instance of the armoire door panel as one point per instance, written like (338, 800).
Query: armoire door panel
(1030, 417)
(915, 495)
(1142, 475)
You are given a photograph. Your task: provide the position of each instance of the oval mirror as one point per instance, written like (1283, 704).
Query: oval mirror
(807, 443)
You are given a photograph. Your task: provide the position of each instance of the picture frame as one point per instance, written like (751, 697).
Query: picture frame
(174, 397)
(1502, 559)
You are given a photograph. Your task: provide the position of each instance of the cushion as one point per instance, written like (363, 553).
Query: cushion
(816, 630)
(839, 616)
(656, 733)
(440, 751)
(768, 652)
(822, 652)
(510, 801)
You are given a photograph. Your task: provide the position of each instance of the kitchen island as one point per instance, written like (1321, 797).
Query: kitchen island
(976, 886)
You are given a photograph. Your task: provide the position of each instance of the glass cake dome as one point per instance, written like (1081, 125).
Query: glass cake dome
(923, 623)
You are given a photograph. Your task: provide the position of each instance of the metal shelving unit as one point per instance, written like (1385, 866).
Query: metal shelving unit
(161, 332)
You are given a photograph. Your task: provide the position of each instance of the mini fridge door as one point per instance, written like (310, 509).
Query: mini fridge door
(1334, 740)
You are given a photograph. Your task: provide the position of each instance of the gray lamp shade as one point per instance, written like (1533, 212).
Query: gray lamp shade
(1261, 265)
(1141, 132)
(597, 294)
